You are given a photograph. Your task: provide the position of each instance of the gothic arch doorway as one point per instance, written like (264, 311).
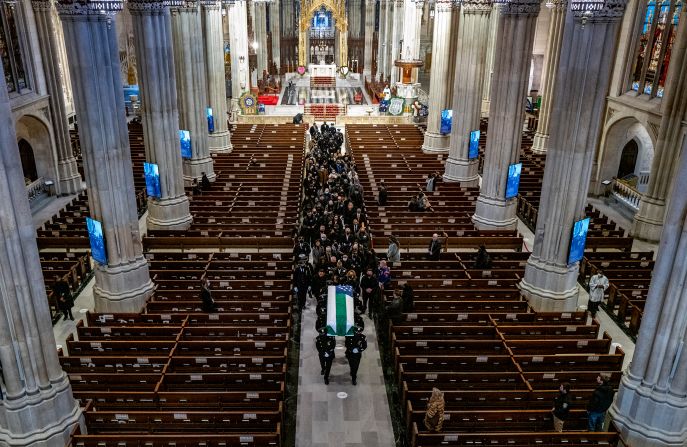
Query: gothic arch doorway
(28, 161)
(628, 159)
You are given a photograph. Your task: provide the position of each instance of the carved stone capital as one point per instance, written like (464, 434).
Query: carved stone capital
(88, 7)
(41, 5)
(445, 5)
(477, 6)
(598, 10)
(146, 5)
(521, 7)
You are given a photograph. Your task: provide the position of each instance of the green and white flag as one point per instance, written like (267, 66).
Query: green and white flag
(340, 311)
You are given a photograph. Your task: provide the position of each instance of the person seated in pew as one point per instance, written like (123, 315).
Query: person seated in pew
(204, 182)
(434, 249)
(206, 296)
(431, 179)
(434, 417)
(408, 298)
(394, 310)
(561, 406)
(482, 259)
(196, 187)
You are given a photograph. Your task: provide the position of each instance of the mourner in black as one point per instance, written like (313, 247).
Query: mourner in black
(63, 296)
(302, 277)
(206, 296)
(325, 345)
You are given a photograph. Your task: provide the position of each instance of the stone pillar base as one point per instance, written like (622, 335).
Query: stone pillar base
(485, 107)
(463, 171)
(550, 288)
(219, 142)
(69, 179)
(169, 214)
(540, 144)
(435, 143)
(649, 417)
(648, 222)
(122, 288)
(495, 214)
(194, 168)
(21, 419)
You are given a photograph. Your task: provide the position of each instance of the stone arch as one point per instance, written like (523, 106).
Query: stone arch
(618, 134)
(28, 161)
(35, 132)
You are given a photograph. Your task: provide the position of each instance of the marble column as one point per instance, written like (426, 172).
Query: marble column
(551, 57)
(397, 35)
(390, 6)
(238, 38)
(515, 39)
(123, 284)
(369, 37)
(441, 76)
(489, 69)
(68, 178)
(160, 116)
(587, 55)
(38, 408)
(651, 407)
(260, 21)
(275, 25)
(192, 96)
(381, 40)
(218, 140)
(473, 34)
(648, 221)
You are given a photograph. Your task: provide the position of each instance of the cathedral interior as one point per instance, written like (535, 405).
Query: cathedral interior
(343, 223)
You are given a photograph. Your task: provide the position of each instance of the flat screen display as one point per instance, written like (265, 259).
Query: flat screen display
(446, 119)
(473, 151)
(578, 240)
(513, 181)
(97, 240)
(185, 139)
(152, 174)
(211, 120)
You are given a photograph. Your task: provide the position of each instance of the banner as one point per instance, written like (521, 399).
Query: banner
(446, 120)
(152, 175)
(97, 240)
(185, 141)
(211, 120)
(513, 182)
(473, 151)
(578, 240)
(340, 311)
(396, 106)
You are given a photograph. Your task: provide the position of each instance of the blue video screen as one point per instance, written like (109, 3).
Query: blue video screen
(152, 174)
(513, 181)
(211, 120)
(446, 119)
(578, 240)
(185, 139)
(97, 240)
(473, 151)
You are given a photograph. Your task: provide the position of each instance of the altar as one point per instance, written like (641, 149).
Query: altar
(322, 70)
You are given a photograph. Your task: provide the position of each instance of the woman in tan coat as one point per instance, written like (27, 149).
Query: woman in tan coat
(434, 418)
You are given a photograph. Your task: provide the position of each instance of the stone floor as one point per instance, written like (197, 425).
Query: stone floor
(43, 208)
(362, 418)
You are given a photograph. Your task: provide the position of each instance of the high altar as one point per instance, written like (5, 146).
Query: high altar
(338, 10)
(323, 70)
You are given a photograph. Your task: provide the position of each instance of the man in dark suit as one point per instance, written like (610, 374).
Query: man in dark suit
(325, 345)
(355, 346)
(301, 280)
(434, 249)
(64, 297)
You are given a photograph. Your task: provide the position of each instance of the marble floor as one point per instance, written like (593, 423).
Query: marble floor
(43, 208)
(325, 418)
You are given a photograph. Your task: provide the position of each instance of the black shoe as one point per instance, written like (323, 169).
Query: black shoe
(65, 318)
(326, 381)
(322, 372)
(72, 318)
(354, 382)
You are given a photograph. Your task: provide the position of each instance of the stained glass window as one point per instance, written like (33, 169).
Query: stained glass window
(656, 38)
(11, 50)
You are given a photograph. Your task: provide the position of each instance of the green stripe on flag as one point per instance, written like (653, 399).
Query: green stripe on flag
(340, 313)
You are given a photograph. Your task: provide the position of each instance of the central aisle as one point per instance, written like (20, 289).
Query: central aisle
(324, 420)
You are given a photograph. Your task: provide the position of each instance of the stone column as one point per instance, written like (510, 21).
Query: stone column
(648, 222)
(38, 409)
(260, 28)
(651, 408)
(217, 88)
(381, 39)
(473, 34)
(441, 76)
(396, 36)
(238, 37)
(551, 57)
(489, 69)
(275, 24)
(515, 39)
(369, 34)
(587, 55)
(189, 64)
(68, 178)
(160, 116)
(390, 5)
(123, 285)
